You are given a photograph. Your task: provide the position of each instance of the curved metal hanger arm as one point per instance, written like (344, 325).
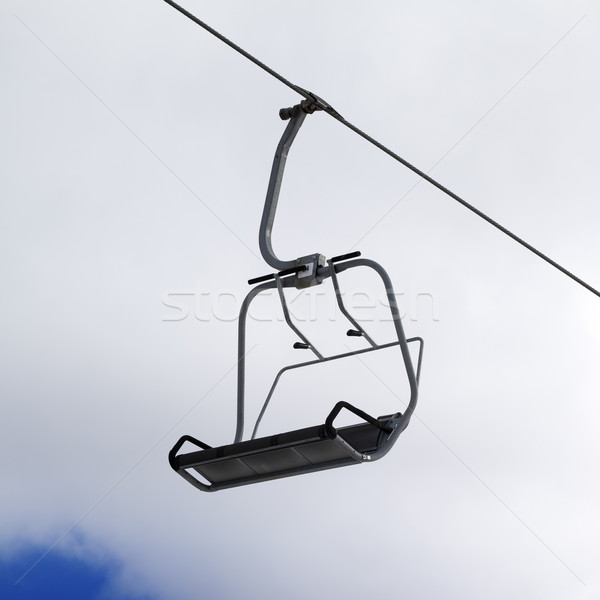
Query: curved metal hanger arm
(296, 115)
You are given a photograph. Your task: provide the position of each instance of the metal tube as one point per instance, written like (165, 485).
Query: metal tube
(241, 365)
(306, 364)
(403, 421)
(268, 216)
(288, 319)
(342, 307)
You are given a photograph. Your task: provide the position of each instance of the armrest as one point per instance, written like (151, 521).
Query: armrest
(175, 449)
(188, 476)
(363, 415)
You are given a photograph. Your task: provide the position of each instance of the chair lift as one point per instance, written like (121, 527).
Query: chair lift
(322, 446)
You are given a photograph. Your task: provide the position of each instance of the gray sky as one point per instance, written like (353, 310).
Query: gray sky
(136, 151)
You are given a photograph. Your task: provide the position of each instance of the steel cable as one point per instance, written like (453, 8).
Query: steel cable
(333, 113)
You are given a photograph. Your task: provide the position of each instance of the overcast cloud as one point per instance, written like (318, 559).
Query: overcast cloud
(136, 151)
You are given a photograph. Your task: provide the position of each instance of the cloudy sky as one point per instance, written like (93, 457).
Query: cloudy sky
(136, 151)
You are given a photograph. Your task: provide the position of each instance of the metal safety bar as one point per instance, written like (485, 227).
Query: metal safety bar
(328, 359)
(286, 314)
(338, 294)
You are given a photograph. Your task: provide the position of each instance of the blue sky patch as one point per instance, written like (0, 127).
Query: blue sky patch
(56, 577)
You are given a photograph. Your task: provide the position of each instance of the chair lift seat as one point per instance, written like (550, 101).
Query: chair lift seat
(282, 455)
(313, 448)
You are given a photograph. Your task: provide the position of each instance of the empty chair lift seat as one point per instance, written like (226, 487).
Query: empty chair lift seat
(292, 453)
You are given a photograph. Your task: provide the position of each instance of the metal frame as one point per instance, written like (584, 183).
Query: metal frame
(301, 273)
(400, 422)
(291, 275)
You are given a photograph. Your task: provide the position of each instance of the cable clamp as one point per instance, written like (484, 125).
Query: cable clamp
(309, 106)
(315, 102)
